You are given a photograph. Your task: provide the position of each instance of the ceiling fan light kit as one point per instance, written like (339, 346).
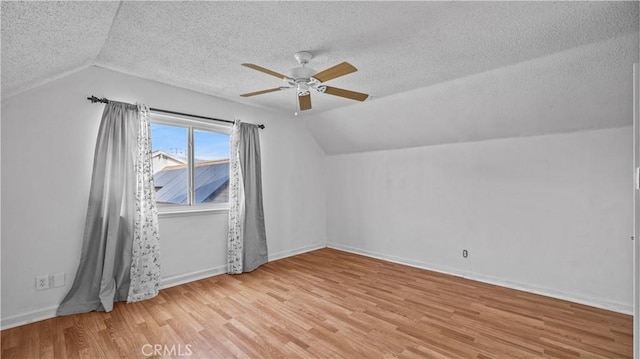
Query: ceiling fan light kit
(304, 79)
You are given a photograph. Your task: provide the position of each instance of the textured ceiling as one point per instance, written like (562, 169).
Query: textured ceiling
(396, 46)
(45, 40)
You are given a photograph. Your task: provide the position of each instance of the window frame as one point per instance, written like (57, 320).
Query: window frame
(191, 124)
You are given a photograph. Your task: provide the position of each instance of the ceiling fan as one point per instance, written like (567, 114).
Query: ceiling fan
(305, 79)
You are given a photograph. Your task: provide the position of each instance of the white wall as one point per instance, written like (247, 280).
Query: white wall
(48, 139)
(549, 214)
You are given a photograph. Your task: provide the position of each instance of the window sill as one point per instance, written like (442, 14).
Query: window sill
(182, 211)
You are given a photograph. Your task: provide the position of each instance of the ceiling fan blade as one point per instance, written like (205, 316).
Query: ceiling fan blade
(335, 71)
(346, 93)
(305, 102)
(260, 92)
(266, 71)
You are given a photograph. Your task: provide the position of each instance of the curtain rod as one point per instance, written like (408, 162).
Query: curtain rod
(94, 99)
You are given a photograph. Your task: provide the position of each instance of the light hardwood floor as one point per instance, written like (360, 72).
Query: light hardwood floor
(330, 304)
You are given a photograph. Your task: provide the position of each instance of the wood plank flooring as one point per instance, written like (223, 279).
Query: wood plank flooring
(332, 304)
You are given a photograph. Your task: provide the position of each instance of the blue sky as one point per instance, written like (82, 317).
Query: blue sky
(173, 140)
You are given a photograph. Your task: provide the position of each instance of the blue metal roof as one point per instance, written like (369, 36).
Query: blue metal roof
(211, 181)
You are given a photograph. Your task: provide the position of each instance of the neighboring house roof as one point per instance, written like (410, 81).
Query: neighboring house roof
(166, 155)
(211, 182)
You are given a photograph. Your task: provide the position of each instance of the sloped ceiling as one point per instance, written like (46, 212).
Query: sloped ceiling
(585, 88)
(397, 46)
(45, 40)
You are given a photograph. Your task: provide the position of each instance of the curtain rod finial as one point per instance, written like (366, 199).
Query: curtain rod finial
(94, 99)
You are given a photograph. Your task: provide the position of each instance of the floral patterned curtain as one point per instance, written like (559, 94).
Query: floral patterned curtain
(236, 204)
(145, 251)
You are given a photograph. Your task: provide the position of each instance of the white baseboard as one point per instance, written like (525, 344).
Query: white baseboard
(170, 281)
(571, 297)
(295, 252)
(28, 317)
(174, 280)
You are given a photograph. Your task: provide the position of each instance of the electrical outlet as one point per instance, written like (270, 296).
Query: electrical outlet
(42, 282)
(58, 280)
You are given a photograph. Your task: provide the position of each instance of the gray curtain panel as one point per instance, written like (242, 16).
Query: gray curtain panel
(255, 238)
(103, 276)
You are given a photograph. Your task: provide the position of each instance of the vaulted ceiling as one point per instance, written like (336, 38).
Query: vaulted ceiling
(396, 46)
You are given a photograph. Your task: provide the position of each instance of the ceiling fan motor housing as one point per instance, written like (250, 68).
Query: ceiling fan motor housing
(302, 88)
(302, 73)
(302, 81)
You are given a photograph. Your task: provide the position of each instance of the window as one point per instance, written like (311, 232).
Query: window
(190, 163)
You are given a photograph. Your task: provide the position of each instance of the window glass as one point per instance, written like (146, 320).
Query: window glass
(190, 165)
(211, 172)
(170, 163)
